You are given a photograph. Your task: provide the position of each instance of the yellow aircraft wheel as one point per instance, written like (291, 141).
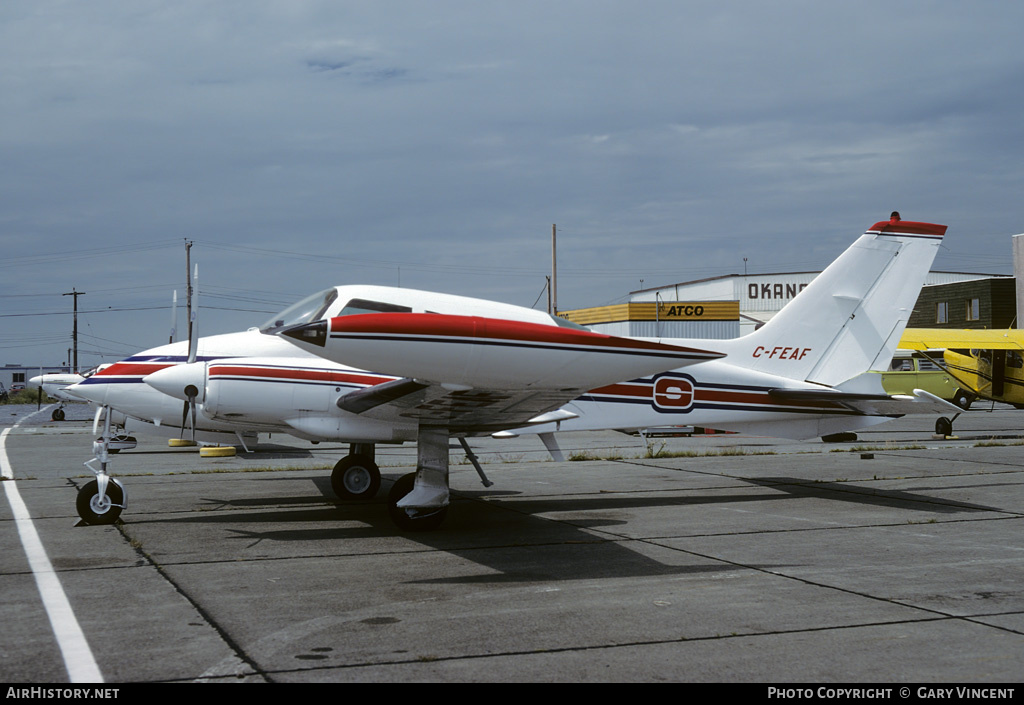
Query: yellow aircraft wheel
(217, 451)
(180, 443)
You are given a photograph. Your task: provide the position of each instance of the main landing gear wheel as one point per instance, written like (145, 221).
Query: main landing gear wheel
(355, 477)
(94, 511)
(943, 426)
(420, 522)
(963, 399)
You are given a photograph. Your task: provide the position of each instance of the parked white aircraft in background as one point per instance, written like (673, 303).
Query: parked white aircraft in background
(55, 385)
(457, 367)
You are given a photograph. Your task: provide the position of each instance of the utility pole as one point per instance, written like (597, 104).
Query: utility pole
(188, 288)
(554, 274)
(74, 331)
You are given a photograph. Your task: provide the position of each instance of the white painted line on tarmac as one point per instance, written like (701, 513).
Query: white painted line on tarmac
(78, 658)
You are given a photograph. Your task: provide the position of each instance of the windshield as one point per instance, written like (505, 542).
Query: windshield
(311, 308)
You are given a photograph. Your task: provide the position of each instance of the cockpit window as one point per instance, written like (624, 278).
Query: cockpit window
(356, 306)
(311, 308)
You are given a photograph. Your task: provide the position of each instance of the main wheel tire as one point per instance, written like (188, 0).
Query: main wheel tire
(355, 477)
(92, 510)
(57, 415)
(421, 522)
(963, 399)
(943, 426)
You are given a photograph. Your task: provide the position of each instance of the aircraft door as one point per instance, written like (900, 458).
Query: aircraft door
(998, 373)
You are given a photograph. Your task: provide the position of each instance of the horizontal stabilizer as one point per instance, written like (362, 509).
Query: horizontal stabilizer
(934, 401)
(873, 404)
(823, 395)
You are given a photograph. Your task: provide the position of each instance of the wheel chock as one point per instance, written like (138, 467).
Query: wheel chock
(217, 451)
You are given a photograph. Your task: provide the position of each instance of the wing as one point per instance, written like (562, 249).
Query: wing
(473, 374)
(940, 339)
(470, 411)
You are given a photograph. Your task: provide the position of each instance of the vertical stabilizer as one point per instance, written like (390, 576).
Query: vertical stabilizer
(850, 318)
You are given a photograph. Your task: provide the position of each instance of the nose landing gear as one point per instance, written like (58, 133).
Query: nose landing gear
(101, 501)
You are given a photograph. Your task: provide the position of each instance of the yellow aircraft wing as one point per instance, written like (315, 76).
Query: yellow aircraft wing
(940, 338)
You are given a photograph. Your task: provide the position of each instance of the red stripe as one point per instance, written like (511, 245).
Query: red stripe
(305, 375)
(909, 227)
(132, 368)
(717, 396)
(435, 324)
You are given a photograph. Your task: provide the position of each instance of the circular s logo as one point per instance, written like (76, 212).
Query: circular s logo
(673, 394)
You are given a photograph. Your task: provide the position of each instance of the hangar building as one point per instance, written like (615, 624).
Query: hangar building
(733, 305)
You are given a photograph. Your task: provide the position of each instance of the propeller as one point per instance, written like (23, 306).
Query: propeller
(190, 406)
(100, 413)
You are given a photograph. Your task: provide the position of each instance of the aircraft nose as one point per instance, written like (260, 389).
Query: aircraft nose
(185, 382)
(35, 382)
(94, 392)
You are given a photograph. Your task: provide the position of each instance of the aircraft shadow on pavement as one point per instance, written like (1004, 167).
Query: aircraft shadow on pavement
(514, 539)
(511, 546)
(859, 494)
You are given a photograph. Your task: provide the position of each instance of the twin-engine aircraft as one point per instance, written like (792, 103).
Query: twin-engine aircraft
(372, 365)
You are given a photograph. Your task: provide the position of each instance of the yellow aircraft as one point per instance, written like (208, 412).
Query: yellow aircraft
(986, 364)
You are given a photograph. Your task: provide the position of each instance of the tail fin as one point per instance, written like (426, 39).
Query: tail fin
(850, 318)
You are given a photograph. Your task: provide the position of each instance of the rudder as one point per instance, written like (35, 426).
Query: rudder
(849, 319)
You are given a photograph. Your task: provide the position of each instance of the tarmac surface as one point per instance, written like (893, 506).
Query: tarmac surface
(898, 558)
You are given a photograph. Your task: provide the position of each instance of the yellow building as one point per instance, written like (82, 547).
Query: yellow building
(662, 319)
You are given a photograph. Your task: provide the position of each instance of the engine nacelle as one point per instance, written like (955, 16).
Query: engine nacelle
(295, 396)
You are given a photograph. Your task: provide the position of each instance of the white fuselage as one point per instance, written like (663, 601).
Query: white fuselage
(275, 378)
(271, 385)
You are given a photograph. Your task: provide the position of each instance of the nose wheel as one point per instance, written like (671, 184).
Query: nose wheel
(98, 508)
(101, 501)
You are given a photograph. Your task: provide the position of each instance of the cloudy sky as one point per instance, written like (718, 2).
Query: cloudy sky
(433, 144)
